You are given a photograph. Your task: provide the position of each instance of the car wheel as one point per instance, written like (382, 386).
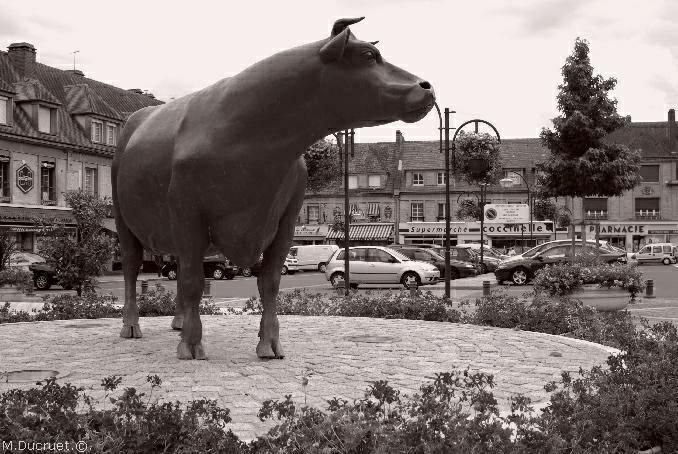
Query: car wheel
(519, 276)
(322, 267)
(284, 270)
(172, 275)
(483, 268)
(410, 278)
(218, 273)
(336, 278)
(42, 281)
(247, 271)
(666, 261)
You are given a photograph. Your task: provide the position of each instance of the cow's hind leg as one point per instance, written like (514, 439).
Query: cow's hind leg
(132, 256)
(268, 282)
(178, 320)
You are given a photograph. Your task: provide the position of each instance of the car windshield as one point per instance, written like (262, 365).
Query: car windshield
(398, 255)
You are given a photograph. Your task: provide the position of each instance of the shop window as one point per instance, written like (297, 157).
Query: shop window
(595, 207)
(649, 173)
(441, 178)
(47, 189)
(417, 179)
(97, 131)
(647, 209)
(4, 179)
(47, 120)
(91, 181)
(111, 134)
(374, 181)
(417, 211)
(441, 211)
(313, 212)
(352, 181)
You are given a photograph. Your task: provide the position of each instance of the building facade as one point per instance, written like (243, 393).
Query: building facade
(413, 192)
(58, 132)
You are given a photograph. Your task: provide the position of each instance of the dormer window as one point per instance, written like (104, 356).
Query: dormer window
(4, 105)
(111, 134)
(97, 131)
(47, 120)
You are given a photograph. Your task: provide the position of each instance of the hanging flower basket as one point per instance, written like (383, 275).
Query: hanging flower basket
(478, 158)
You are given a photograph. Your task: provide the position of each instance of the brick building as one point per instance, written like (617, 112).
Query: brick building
(58, 132)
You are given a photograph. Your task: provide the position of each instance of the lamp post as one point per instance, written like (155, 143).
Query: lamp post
(480, 166)
(507, 183)
(348, 142)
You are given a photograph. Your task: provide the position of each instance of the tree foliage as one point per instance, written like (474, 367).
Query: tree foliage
(78, 258)
(7, 247)
(469, 210)
(544, 209)
(580, 164)
(322, 165)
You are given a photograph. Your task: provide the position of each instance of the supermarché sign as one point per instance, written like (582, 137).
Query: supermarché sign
(438, 228)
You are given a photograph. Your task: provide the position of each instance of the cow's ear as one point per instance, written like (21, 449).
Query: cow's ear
(341, 24)
(333, 50)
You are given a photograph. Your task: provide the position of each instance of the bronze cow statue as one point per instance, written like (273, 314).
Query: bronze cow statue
(223, 166)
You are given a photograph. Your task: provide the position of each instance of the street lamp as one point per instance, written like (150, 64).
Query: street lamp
(348, 142)
(507, 183)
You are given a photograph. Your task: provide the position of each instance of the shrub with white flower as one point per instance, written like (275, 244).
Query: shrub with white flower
(564, 279)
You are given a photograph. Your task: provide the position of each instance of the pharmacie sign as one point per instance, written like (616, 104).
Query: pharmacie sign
(24, 178)
(620, 228)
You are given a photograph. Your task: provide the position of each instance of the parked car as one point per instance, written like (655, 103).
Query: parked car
(215, 266)
(22, 260)
(289, 267)
(491, 257)
(665, 253)
(379, 265)
(521, 268)
(458, 268)
(44, 275)
(309, 257)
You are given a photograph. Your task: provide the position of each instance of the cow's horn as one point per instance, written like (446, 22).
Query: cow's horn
(374, 43)
(333, 50)
(341, 24)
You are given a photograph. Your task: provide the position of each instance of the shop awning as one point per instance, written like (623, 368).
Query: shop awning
(364, 232)
(373, 209)
(10, 214)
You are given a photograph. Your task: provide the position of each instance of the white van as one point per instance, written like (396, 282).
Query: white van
(657, 253)
(311, 257)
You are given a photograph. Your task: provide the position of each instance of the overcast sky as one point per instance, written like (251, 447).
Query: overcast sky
(485, 59)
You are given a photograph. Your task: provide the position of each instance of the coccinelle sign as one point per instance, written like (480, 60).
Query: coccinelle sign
(24, 178)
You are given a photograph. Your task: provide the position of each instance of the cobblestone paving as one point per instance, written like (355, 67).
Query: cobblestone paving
(340, 356)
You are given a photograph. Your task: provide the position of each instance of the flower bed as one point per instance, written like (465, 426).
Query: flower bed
(564, 279)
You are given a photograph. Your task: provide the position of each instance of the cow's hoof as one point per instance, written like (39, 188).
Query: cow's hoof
(177, 322)
(130, 331)
(190, 351)
(271, 349)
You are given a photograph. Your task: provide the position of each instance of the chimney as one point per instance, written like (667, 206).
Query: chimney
(399, 138)
(672, 129)
(22, 57)
(75, 72)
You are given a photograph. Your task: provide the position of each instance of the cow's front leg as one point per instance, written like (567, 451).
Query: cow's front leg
(191, 281)
(132, 257)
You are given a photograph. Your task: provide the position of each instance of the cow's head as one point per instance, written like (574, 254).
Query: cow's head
(361, 89)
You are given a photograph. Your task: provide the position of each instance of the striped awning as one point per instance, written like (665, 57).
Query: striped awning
(364, 232)
(373, 209)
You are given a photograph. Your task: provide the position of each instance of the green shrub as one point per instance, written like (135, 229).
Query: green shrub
(564, 279)
(22, 280)
(158, 301)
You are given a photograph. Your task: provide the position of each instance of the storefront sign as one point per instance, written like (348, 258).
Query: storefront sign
(438, 228)
(665, 232)
(506, 213)
(319, 230)
(24, 178)
(620, 229)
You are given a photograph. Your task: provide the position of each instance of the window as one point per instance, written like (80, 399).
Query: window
(111, 134)
(4, 179)
(352, 181)
(650, 174)
(47, 183)
(3, 110)
(46, 120)
(441, 211)
(374, 181)
(595, 208)
(417, 211)
(313, 213)
(377, 255)
(515, 175)
(417, 179)
(441, 178)
(91, 181)
(354, 255)
(647, 208)
(97, 131)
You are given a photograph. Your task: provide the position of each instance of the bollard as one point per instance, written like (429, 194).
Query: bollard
(341, 286)
(144, 287)
(649, 288)
(413, 289)
(207, 290)
(486, 288)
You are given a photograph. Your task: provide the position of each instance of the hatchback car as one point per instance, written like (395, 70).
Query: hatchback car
(521, 268)
(379, 265)
(215, 266)
(458, 269)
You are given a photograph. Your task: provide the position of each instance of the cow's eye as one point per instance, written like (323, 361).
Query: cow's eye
(368, 55)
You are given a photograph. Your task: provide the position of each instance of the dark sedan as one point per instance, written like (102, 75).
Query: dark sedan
(458, 268)
(521, 269)
(215, 266)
